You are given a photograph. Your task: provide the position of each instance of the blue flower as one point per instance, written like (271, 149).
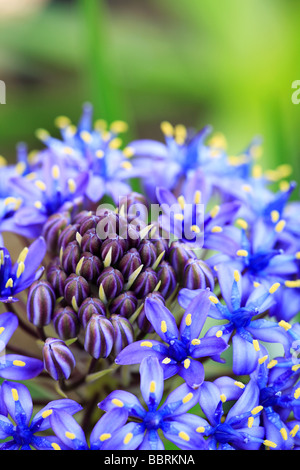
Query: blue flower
(18, 427)
(15, 366)
(182, 347)
(15, 278)
(243, 325)
(237, 429)
(142, 433)
(279, 393)
(72, 437)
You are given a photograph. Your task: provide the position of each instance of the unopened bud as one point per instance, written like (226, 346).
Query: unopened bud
(76, 290)
(124, 334)
(90, 306)
(66, 323)
(125, 304)
(40, 303)
(99, 336)
(110, 283)
(145, 283)
(197, 275)
(59, 361)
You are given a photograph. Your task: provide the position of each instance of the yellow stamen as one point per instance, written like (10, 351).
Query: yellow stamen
(274, 287)
(272, 364)
(147, 344)
(256, 284)
(195, 342)
(280, 226)
(197, 197)
(119, 127)
(166, 360)
(213, 299)
(104, 437)
(152, 386)
(292, 284)
(285, 325)
(117, 402)
(242, 253)
(55, 446)
(256, 345)
(268, 443)
(167, 129)
(55, 172)
(19, 363)
(115, 143)
(195, 229)
(47, 413)
(20, 270)
(242, 224)
(70, 435)
(239, 384)
(188, 319)
(187, 398)
(257, 410)
(297, 393)
(200, 429)
(214, 212)
(128, 438)
(275, 216)
(15, 394)
(284, 434)
(181, 202)
(236, 276)
(250, 422)
(219, 333)
(179, 217)
(62, 121)
(223, 398)
(187, 363)
(9, 283)
(128, 152)
(86, 137)
(216, 229)
(263, 359)
(163, 327)
(71, 185)
(294, 431)
(40, 184)
(183, 435)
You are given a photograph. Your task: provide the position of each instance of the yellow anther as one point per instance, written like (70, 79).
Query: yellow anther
(115, 143)
(128, 438)
(219, 333)
(188, 319)
(38, 205)
(41, 185)
(42, 134)
(247, 188)
(297, 393)
(184, 436)
(179, 217)
(166, 360)
(216, 229)
(236, 276)
(223, 398)
(200, 429)
(163, 326)
(256, 410)
(55, 446)
(47, 413)
(70, 435)
(180, 134)
(119, 127)
(272, 364)
(285, 325)
(195, 342)
(256, 345)
(99, 154)
(181, 201)
(3, 161)
(15, 394)
(274, 288)
(117, 402)
(218, 141)
(257, 171)
(167, 129)
(242, 253)
(152, 386)
(197, 197)
(195, 229)
(275, 216)
(9, 283)
(86, 137)
(18, 363)
(239, 384)
(268, 443)
(214, 212)
(128, 152)
(295, 367)
(294, 431)
(241, 223)
(186, 363)
(263, 359)
(104, 437)
(55, 172)
(292, 284)
(2, 329)
(147, 344)
(100, 125)
(62, 121)
(213, 299)
(280, 226)
(21, 269)
(297, 255)
(71, 185)
(250, 422)
(283, 432)
(187, 398)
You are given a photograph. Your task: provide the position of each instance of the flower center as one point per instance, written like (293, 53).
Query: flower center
(178, 350)
(152, 420)
(22, 435)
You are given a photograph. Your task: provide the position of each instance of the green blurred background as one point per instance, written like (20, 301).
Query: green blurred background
(228, 63)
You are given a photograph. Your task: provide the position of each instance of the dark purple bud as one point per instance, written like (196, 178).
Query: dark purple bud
(99, 336)
(65, 322)
(110, 284)
(89, 222)
(130, 261)
(162, 246)
(145, 283)
(197, 275)
(89, 266)
(124, 334)
(52, 229)
(68, 235)
(91, 242)
(78, 218)
(70, 257)
(57, 277)
(112, 249)
(59, 361)
(136, 206)
(90, 306)
(131, 233)
(142, 321)
(167, 276)
(147, 253)
(76, 290)
(125, 304)
(40, 303)
(179, 255)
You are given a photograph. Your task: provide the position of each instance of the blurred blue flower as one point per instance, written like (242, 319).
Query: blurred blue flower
(142, 433)
(15, 278)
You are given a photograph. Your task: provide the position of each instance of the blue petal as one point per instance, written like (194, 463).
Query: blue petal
(162, 320)
(108, 424)
(152, 381)
(68, 430)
